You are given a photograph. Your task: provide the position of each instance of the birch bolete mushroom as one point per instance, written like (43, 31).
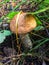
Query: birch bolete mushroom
(26, 23)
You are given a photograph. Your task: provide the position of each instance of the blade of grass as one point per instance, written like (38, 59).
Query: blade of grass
(39, 11)
(41, 43)
(38, 41)
(37, 35)
(19, 4)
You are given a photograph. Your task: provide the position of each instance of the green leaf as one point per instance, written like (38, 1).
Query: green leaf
(5, 1)
(38, 21)
(46, 1)
(24, 0)
(7, 32)
(2, 37)
(11, 14)
(39, 28)
(0, 20)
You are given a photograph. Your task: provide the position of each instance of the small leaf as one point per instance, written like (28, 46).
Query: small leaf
(7, 32)
(0, 20)
(11, 14)
(39, 28)
(2, 37)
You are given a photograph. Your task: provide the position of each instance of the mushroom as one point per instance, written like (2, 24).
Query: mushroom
(26, 23)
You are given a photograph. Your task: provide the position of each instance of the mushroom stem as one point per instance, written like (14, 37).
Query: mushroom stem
(21, 24)
(26, 41)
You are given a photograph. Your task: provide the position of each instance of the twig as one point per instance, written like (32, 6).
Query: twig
(7, 62)
(19, 55)
(37, 35)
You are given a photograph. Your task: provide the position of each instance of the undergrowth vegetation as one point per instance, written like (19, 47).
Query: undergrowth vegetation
(12, 53)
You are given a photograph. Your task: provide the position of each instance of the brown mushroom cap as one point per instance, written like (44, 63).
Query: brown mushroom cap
(26, 23)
